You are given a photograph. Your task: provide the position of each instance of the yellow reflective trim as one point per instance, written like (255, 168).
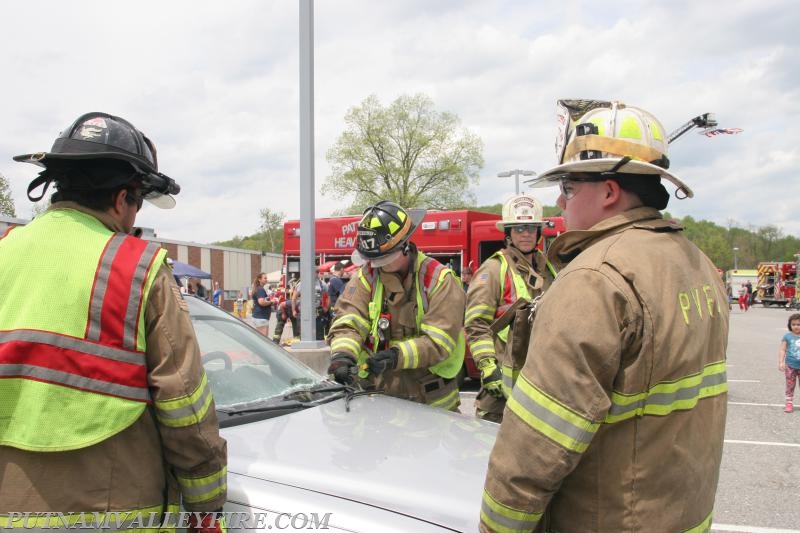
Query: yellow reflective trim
(358, 323)
(666, 397)
(544, 414)
(629, 129)
(703, 526)
(393, 227)
(401, 215)
(363, 279)
(447, 402)
(504, 519)
(439, 336)
(374, 222)
(205, 488)
(485, 312)
(195, 405)
(410, 354)
(481, 347)
(345, 344)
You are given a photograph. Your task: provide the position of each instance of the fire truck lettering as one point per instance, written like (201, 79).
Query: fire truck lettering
(349, 228)
(344, 242)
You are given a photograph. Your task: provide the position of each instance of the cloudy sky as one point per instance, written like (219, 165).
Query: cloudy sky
(215, 85)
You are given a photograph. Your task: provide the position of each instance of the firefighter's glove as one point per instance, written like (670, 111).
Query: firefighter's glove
(207, 523)
(491, 378)
(342, 368)
(383, 361)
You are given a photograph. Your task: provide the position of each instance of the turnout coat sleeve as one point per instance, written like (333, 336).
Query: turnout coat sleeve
(194, 452)
(483, 298)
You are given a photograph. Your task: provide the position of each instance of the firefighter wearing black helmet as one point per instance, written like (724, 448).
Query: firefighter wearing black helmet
(398, 323)
(102, 381)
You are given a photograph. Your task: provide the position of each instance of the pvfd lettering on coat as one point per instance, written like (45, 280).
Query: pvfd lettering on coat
(702, 300)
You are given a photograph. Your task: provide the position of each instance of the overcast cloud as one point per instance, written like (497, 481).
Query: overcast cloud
(215, 85)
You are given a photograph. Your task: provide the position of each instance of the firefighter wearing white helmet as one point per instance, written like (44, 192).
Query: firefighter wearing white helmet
(626, 371)
(499, 303)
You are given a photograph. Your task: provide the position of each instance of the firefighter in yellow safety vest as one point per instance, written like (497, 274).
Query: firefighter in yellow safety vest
(399, 321)
(617, 419)
(106, 411)
(510, 281)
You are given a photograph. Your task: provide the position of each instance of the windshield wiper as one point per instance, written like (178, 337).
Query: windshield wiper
(285, 405)
(320, 388)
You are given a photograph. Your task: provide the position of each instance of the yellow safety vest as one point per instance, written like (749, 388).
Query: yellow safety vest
(429, 274)
(72, 333)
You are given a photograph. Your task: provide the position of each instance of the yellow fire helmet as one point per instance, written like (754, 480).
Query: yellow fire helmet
(600, 136)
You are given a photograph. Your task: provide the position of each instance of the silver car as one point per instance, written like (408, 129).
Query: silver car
(307, 453)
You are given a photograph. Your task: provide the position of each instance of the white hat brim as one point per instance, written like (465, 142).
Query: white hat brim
(553, 175)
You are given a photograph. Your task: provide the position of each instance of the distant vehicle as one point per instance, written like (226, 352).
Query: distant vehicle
(776, 283)
(318, 453)
(735, 278)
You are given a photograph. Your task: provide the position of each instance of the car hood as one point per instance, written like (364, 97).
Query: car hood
(385, 452)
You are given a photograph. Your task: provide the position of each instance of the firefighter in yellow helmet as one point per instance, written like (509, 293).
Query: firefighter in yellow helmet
(617, 420)
(510, 281)
(399, 321)
(106, 409)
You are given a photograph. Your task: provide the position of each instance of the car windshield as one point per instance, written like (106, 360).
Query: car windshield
(246, 371)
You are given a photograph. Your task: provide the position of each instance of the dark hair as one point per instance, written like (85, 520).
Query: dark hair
(795, 316)
(82, 182)
(647, 187)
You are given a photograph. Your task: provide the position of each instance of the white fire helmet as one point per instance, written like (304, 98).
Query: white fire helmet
(521, 209)
(595, 136)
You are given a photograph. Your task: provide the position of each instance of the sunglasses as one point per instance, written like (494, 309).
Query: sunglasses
(525, 228)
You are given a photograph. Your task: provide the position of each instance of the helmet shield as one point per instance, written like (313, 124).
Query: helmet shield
(101, 136)
(384, 228)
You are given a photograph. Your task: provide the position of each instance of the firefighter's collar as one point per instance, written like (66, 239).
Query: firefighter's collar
(568, 245)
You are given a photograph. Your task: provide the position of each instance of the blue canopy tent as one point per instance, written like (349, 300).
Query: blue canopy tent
(183, 270)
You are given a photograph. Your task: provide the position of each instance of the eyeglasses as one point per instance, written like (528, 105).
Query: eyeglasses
(525, 228)
(567, 186)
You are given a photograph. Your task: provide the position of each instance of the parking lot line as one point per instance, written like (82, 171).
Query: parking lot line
(763, 443)
(757, 404)
(751, 529)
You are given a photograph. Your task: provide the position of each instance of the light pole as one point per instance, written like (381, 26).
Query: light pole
(516, 173)
(735, 258)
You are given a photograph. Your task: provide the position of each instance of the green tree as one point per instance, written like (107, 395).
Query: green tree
(272, 227)
(6, 202)
(407, 152)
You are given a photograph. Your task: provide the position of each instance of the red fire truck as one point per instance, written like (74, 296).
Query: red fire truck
(455, 238)
(776, 283)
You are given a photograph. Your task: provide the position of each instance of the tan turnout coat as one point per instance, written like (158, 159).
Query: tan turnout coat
(617, 420)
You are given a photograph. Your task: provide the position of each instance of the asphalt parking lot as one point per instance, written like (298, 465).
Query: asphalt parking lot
(759, 486)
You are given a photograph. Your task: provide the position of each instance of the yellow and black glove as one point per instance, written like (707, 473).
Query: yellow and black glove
(491, 377)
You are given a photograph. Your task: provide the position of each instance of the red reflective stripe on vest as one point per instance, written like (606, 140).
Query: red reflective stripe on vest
(117, 291)
(7, 232)
(29, 355)
(509, 294)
